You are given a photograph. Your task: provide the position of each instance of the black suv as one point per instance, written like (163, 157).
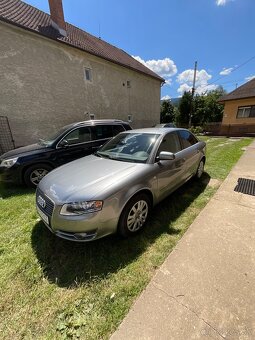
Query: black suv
(29, 164)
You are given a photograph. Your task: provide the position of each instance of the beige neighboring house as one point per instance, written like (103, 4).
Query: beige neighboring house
(53, 73)
(239, 111)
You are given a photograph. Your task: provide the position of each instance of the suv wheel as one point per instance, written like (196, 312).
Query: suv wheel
(35, 173)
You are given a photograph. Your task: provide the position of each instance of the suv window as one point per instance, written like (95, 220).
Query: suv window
(117, 129)
(170, 143)
(187, 138)
(102, 131)
(77, 136)
(126, 126)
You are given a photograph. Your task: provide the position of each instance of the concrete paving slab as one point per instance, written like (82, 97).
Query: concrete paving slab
(205, 288)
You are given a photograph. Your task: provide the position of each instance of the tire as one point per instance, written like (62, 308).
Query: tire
(35, 173)
(134, 215)
(200, 169)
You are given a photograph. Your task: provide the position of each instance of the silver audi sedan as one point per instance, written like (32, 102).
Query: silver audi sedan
(115, 189)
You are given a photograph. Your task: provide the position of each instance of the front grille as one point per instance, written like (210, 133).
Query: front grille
(245, 186)
(49, 206)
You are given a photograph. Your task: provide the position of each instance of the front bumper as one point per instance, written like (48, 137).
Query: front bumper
(80, 228)
(10, 175)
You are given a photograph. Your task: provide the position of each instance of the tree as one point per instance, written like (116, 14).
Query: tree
(206, 107)
(166, 112)
(185, 107)
(214, 110)
(199, 112)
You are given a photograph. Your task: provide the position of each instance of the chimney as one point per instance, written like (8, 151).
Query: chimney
(57, 16)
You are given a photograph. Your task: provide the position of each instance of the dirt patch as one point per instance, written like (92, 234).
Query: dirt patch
(214, 183)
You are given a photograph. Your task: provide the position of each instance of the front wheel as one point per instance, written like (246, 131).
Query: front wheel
(35, 173)
(134, 215)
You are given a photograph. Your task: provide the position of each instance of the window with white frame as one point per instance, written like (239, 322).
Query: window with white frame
(88, 74)
(246, 112)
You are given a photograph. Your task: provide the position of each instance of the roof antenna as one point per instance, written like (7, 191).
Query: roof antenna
(99, 19)
(99, 31)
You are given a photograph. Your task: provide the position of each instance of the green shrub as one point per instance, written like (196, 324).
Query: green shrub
(197, 130)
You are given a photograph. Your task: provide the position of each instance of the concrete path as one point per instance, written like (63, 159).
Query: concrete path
(206, 287)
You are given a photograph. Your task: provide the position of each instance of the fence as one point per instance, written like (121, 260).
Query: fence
(235, 130)
(6, 139)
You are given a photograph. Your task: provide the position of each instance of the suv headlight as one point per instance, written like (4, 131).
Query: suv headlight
(7, 163)
(80, 208)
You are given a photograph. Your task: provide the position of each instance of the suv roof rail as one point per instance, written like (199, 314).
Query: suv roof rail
(100, 121)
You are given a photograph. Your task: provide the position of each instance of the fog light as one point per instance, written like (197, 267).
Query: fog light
(80, 236)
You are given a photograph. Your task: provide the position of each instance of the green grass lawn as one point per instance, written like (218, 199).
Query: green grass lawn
(51, 288)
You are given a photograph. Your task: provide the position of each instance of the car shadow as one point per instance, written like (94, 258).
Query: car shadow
(14, 190)
(67, 263)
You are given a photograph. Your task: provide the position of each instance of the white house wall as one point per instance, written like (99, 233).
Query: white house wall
(43, 88)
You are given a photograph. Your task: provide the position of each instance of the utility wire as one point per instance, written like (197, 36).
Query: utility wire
(234, 69)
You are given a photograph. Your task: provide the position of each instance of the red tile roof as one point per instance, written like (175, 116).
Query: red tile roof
(28, 17)
(245, 91)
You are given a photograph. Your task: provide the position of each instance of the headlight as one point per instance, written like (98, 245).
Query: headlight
(7, 163)
(80, 208)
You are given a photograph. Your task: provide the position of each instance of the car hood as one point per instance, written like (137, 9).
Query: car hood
(23, 151)
(85, 179)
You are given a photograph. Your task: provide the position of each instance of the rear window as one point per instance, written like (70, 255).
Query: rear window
(187, 138)
(170, 143)
(127, 127)
(117, 129)
(103, 131)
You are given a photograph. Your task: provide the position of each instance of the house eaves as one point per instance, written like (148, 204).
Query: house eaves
(245, 91)
(20, 14)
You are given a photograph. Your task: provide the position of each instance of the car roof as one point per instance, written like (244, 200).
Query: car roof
(164, 125)
(157, 130)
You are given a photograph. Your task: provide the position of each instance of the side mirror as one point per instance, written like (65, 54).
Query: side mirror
(63, 144)
(166, 156)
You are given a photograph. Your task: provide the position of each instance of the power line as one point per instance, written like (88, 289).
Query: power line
(234, 69)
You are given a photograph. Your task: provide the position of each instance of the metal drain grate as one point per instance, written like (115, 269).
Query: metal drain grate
(245, 186)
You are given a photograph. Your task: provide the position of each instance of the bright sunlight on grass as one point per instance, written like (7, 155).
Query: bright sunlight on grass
(51, 288)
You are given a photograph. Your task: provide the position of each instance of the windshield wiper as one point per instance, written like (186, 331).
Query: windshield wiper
(42, 141)
(99, 154)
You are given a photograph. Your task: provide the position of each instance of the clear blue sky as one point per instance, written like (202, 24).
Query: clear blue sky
(170, 35)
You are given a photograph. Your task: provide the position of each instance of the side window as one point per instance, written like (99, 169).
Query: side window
(127, 127)
(187, 138)
(103, 131)
(80, 135)
(117, 129)
(170, 143)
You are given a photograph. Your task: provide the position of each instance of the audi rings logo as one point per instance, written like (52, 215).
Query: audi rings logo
(41, 201)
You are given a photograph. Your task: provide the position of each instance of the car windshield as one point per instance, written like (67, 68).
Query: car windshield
(48, 141)
(129, 147)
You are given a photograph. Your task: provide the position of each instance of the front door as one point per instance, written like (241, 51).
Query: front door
(170, 172)
(76, 144)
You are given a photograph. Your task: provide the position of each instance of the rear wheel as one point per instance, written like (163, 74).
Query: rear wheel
(134, 215)
(35, 173)
(200, 169)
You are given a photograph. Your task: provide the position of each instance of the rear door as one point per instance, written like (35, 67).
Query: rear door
(101, 134)
(190, 150)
